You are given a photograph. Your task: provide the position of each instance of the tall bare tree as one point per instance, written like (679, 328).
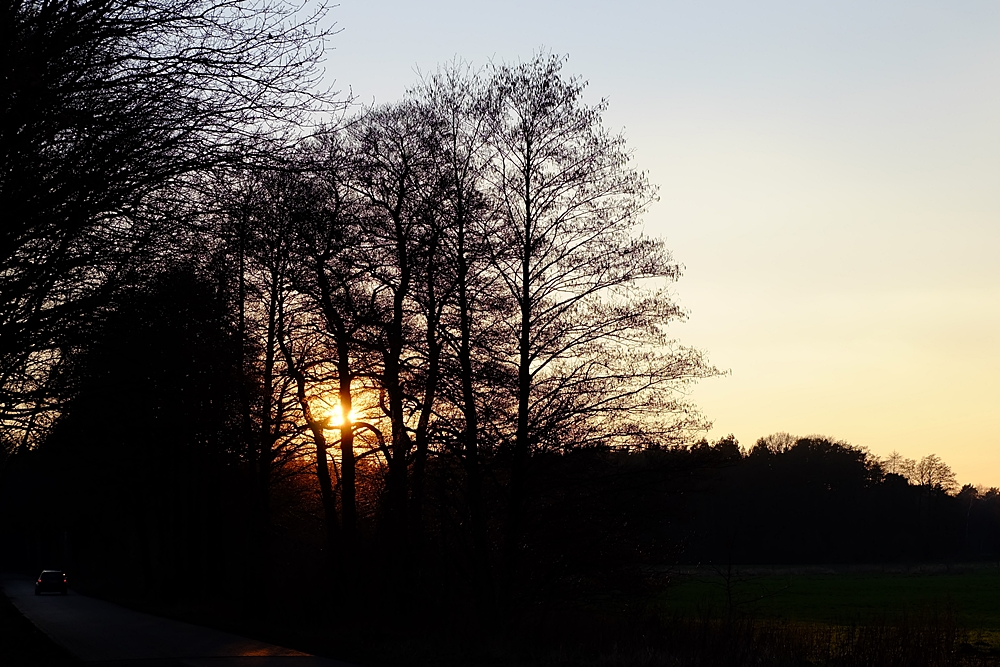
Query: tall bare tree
(587, 339)
(393, 173)
(457, 97)
(332, 275)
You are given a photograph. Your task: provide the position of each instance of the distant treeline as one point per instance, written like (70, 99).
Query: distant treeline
(819, 500)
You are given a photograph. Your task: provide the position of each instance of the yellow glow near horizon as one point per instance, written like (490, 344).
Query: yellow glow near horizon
(828, 175)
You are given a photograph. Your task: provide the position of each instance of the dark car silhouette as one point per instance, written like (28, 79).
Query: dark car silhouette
(51, 581)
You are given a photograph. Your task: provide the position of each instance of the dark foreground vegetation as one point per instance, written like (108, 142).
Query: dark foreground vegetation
(393, 381)
(607, 582)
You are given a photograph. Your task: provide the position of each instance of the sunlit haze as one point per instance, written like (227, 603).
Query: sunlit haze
(830, 178)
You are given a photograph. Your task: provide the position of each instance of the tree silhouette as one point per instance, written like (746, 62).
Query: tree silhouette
(112, 112)
(931, 471)
(586, 339)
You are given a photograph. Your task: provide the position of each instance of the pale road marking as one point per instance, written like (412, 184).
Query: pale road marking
(96, 631)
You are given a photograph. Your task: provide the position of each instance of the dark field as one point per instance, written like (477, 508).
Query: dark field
(845, 595)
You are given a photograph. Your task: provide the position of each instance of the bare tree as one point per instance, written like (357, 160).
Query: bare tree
(776, 443)
(587, 339)
(328, 242)
(897, 464)
(469, 305)
(393, 173)
(109, 108)
(934, 473)
(253, 219)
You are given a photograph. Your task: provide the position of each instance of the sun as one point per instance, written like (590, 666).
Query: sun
(334, 416)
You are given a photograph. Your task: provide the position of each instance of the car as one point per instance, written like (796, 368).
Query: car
(51, 581)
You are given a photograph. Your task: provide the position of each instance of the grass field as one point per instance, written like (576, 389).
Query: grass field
(970, 593)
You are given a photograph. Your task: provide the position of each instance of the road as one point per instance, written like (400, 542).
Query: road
(100, 633)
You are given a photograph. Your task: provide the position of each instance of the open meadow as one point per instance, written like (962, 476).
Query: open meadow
(842, 594)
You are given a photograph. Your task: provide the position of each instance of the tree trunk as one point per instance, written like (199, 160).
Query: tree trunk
(391, 382)
(326, 488)
(519, 463)
(470, 436)
(348, 487)
(422, 433)
(319, 439)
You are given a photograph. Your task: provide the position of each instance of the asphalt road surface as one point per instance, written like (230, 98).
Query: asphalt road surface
(100, 633)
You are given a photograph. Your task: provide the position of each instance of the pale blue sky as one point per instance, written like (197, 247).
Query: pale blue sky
(830, 177)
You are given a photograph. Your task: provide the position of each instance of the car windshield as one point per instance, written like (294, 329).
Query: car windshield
(51, 576)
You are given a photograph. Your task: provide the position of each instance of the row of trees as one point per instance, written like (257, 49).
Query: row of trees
(929, 471)
(459, 278)
(815, 499)
(385, 322)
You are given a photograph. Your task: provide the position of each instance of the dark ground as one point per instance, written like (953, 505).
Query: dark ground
(24, 645)
(891, 627)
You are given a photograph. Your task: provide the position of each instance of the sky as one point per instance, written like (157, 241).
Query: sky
(829, 177)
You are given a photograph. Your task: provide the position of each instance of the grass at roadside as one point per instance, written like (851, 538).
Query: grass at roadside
(24, 645)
